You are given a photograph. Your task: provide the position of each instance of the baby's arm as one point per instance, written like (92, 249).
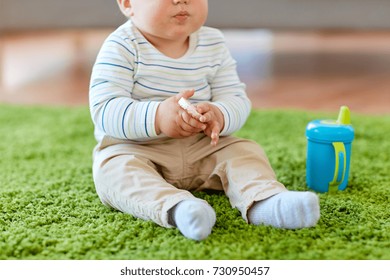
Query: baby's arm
(228, 94)
(114, 111)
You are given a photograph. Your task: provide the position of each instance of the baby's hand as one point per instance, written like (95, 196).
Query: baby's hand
(174, 121)
(213, 118)
(189, 114)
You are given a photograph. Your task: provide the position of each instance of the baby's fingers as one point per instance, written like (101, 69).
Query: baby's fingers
(215, 134)
(207, 112)
(185, 94)
(207, 117)
(188, 119)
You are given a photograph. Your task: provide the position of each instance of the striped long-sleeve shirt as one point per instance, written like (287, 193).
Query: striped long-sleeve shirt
(131, 77)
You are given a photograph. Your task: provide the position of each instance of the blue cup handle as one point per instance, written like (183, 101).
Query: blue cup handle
(340, 165)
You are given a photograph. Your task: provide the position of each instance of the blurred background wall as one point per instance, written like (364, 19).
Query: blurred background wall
(286, 14)
(311, 54)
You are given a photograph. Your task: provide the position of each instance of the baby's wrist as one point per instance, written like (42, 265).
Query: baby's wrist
(157, 122)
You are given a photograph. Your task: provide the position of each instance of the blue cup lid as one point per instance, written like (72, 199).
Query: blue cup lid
(329, 131)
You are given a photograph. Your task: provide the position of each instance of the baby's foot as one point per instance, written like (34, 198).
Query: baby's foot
(290, 210)
(194, 218)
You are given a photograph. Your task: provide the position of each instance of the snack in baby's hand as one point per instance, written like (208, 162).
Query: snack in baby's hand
(186, 105)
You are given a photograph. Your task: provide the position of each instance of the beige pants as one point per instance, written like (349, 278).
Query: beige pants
(147, 179)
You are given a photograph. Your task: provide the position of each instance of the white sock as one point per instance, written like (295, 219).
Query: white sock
(194, 218)
(290, 210)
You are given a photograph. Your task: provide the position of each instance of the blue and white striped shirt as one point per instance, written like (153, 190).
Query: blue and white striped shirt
(131, 77)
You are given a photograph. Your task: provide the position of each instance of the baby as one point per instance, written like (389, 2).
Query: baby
(152, 153)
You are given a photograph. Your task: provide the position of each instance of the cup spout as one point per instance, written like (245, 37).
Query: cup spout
(344, 116)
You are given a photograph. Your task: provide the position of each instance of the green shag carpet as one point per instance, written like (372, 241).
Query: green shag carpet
(49, 208)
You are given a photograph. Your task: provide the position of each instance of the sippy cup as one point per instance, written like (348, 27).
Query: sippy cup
(329, 152)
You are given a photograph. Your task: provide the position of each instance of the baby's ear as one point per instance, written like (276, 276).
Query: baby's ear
(125, 6)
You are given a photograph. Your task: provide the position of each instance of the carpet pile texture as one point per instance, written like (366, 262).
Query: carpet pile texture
(49, 208)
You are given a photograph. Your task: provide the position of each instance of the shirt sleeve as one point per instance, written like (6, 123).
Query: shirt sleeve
(113, 110)
(229, 95)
